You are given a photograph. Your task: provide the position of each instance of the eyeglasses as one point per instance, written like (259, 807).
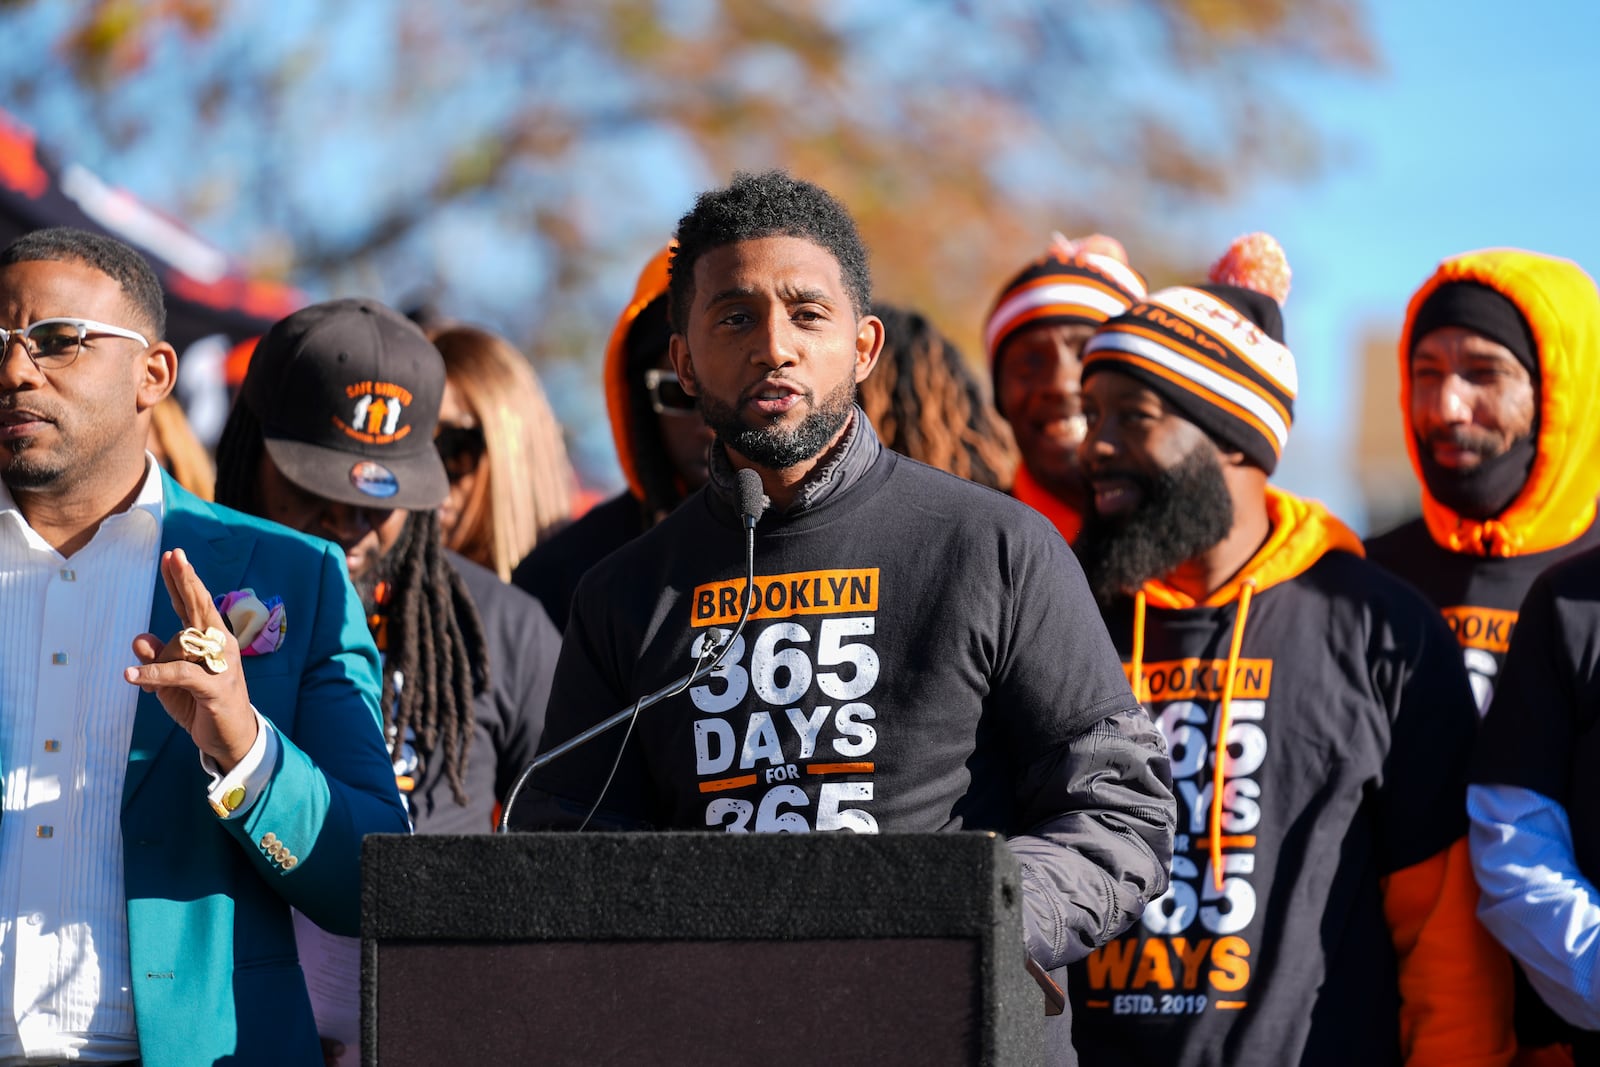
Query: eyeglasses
(55, 343)
(667, 396)
(461, 448)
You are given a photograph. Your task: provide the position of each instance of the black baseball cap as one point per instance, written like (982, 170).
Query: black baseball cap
(347, 393)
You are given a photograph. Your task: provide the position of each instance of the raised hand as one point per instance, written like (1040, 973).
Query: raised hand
(204, 693)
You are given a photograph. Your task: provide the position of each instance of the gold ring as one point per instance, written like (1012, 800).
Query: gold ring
(204, 647)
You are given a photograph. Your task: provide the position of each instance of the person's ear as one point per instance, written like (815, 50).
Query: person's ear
(158, 373)
(869, 345)
(1232, 459)
(682, 364)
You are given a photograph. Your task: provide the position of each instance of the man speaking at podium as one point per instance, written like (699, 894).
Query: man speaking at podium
(922, 653)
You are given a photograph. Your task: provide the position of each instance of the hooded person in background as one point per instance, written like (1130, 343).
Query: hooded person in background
(1500, 388)
(1035, 337)
(1500, 392)
(661, 445)
(1319, 720)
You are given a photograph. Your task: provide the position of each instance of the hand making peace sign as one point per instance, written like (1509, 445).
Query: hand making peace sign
(204, 694)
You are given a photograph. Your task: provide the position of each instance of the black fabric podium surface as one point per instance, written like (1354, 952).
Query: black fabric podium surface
(709, 949)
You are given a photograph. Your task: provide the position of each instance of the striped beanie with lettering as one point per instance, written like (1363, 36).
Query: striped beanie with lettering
(1082, 281)
(1215, 352)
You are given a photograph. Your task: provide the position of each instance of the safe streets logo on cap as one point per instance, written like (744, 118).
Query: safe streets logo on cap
(347, 393)
(376, 415)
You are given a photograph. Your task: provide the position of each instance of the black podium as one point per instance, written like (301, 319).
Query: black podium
(701, 949)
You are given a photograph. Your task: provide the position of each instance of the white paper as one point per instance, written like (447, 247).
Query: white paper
(332, 966)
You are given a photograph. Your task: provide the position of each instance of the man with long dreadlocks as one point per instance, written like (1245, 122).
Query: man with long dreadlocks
(332, 435)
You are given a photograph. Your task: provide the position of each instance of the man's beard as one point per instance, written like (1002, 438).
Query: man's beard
(1488, 488)
(773, 447)
(30, 469)
(1181, 512)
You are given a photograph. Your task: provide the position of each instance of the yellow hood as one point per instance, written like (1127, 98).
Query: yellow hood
(1562, 306)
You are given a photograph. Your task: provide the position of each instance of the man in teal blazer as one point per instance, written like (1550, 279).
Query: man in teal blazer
(206, 901)
(252, 774)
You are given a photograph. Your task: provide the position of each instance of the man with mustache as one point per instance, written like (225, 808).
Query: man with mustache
(1035, 337)
(1321, 903)
(153, 843)
(1498, 380)
(925, 655)
(1499, 375)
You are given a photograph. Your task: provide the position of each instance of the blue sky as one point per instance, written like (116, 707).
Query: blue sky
(1477, 133)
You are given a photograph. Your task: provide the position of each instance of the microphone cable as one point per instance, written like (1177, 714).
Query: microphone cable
(752, 502)
(696, 674)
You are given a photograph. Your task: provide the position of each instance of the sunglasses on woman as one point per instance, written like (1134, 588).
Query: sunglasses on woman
(460, 447)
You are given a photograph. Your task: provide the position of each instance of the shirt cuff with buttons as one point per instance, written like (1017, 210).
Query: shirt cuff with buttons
(232, 794)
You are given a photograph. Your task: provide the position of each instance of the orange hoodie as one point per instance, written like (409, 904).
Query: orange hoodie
(1562, 307)
(652, 283)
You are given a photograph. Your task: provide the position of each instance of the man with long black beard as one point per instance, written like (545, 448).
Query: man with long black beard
(1321, 903)
(925, 654)
(1500, 392)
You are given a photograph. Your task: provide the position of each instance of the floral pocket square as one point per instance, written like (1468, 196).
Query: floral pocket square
(258, 625)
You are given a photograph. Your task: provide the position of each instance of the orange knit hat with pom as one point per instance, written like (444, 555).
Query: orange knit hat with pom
(1215, 351)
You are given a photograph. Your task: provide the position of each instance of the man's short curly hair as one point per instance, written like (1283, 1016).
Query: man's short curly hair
(105, 254)
(766, 205)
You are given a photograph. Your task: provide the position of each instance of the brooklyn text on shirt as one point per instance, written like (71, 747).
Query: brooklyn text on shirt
(1191, 951)
(1484, 635)
(785, 738)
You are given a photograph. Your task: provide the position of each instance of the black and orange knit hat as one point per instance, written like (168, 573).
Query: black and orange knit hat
(1215, 352)
(1082, 281)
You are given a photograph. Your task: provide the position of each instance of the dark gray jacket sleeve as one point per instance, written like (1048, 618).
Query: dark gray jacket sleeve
(1093, 808)
(1102, 849)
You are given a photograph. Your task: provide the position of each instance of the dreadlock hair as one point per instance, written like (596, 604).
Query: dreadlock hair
(927, 404)
(434, 636)
(644, 349)
(766, 205)
(107, 255)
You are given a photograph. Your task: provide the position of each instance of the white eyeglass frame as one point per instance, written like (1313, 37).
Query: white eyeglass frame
(85, 328)
(652, 382)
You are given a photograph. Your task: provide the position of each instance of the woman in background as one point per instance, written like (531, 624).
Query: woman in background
(511, 483)
(179, 451)
(926, 403)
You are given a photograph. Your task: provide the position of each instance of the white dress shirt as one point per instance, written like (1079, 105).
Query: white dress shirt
(66, 721)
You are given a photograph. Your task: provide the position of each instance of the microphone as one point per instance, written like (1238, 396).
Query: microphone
(752, 500)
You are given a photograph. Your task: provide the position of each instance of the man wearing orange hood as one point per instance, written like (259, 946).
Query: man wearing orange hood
(1498, 387)
(1319, 722)
(661, 445)
(1500, 391)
